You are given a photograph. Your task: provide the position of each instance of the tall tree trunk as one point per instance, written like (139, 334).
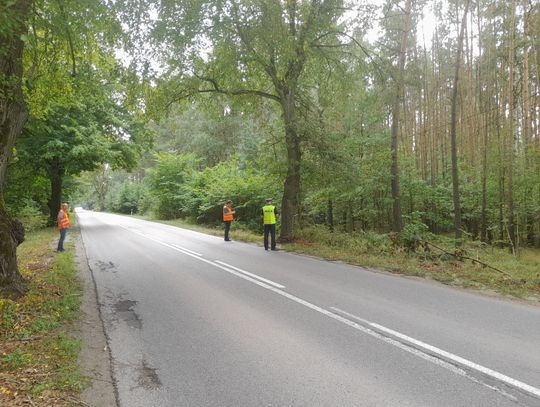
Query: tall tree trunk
(291, 189)
(484, 129)
(527, 117)
(56, 175)
(330, 215)
(11, 235)
(526, 94)
(397, 222)
(13, 115)
(483, 222)
(453, 124)
(502, 169)
(512, 135)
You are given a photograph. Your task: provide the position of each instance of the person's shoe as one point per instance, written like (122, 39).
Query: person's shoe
(275, 249)
(228, 240)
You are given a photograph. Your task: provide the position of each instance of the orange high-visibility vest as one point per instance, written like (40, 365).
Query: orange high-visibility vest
(64, 222)
(227, 214)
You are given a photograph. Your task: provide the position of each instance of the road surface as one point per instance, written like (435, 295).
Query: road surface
(192, 320)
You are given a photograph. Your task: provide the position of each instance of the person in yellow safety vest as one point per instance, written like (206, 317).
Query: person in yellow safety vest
(63, 225)
(269, 220)
(228, 217)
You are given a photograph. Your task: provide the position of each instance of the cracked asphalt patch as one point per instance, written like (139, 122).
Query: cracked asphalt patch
(124, 310)
(103, 266)
(148, 378)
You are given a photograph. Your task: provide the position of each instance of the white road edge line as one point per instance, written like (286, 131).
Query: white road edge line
(489, 372)
(251, 274)
(171, 246)
(447, 355)
(187, 250)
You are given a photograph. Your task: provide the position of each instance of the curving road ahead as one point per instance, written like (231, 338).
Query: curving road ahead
(192, 320)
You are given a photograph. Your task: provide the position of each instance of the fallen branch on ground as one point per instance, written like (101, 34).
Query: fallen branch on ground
(460, 256)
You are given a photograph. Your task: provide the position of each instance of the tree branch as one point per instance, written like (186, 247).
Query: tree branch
(460, 256)
(233, 92)
(242, 36)
(70, 41)
(353, 40)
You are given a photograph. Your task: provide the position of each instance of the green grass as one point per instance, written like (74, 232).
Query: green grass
(17, 359)
(522, 278)
(39, 357)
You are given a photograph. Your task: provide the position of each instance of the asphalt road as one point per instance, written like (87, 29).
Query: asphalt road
(192, 320)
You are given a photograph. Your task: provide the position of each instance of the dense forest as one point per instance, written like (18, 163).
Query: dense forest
(398, 117)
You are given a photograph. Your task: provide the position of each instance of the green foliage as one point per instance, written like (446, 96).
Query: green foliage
(205, 131)
(68, 42)
(76, 96)
(90, 132)
(178, 189)
(414, 234)
(427, 203)
(169, 184)
(25, 186)
(218, 142)
(127, 198)
(31, 216)
(246, 188)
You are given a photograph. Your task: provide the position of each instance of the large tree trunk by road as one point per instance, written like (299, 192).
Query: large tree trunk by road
(11, 235)
(453, 124)
(56, 175)
(13, 114)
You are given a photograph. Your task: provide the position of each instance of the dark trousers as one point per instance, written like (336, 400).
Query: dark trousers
(227, 228)
(63, 233)
(272, 230)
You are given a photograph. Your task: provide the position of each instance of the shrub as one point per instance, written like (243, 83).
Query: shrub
(413, 234)
(31, 216)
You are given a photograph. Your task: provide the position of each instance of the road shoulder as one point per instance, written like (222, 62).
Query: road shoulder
(94, 358)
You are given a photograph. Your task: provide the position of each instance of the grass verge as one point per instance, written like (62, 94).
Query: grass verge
(520, 277)
(38, 357)
(377, 251)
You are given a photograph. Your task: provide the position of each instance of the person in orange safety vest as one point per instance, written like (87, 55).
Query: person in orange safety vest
(63, 225)
(228, 217)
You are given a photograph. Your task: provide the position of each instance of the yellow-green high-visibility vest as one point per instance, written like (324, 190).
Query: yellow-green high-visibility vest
(269, 215)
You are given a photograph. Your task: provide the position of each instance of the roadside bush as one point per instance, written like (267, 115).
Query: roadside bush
(246, 188)
(413, 234)
(31, 216)
(356, 242)
(177, 189)
(128, 198)
(376, 241)
(147, 203)
(169, 185)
